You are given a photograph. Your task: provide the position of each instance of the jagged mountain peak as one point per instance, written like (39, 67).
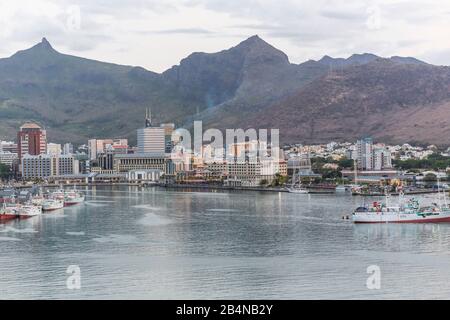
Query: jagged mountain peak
(354, 59)
(43, 46)
(41, 50)
(256, 46)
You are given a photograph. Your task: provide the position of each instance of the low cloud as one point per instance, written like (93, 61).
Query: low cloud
(157, 34)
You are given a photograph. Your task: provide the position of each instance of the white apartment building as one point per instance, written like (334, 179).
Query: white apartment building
(372, 158)
(244, 174)
(45, 166)
(250, 174)
(382, 159)
(364, 151)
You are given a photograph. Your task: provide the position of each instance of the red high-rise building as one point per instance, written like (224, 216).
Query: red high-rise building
(31, 139)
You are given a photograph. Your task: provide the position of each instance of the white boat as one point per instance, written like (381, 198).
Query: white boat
(52, 204)
(404, 212)
(28, 211)
(298, 190)
(69, 197)
(73, 197)
(296, 186)
(37, 201)
(58, 194)
(7, 213)
(399, 215)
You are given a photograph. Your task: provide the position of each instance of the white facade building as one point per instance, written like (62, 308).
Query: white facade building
(151, 140)
(364, 149)
(144, 176)
(45, 166)
(382, 159)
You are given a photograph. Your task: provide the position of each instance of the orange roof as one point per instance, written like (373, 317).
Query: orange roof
(30, 125)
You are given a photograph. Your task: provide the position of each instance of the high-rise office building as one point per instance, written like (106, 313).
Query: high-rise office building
(372, 158)
(32, 140)
(364, 151)
(151, 139)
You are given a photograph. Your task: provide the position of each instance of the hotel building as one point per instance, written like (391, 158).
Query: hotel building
(32, 140)
(45, 165)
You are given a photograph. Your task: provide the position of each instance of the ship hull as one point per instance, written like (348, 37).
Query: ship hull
(402, 219)
(6, 217)
(73, 202)
(51, 209)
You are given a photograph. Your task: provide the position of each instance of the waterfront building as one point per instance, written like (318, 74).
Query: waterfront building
(32, 140)
(246, 174)
(44, 166)
(144, 176)
(251, 173)
(142, 161)
(217, 169)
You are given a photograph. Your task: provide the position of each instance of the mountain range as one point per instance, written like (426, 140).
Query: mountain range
(397, 99)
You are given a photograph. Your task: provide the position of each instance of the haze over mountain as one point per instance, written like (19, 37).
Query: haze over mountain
(250, 85)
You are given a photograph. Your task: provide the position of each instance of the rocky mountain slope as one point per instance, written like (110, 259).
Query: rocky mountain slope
(250, 85)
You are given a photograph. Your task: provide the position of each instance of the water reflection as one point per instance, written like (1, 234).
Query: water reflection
(153, 243)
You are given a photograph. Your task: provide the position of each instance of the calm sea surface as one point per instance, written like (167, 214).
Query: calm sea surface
(152, 243)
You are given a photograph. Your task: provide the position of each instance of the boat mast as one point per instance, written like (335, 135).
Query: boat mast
(439, 192)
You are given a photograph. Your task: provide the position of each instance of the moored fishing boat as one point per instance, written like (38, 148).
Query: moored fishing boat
(399, 215)
(73, 197)
(28, 211)
(405, 212)
(58, 194)
(52, 204)
(7, 213)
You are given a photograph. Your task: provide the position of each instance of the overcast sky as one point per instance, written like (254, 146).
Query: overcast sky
(158, 34)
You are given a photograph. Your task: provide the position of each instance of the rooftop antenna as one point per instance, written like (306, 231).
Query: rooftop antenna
(148, 117)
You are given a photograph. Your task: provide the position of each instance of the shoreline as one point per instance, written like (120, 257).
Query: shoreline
(213, 188)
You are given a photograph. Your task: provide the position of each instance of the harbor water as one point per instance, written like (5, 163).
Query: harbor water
(152, 243)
